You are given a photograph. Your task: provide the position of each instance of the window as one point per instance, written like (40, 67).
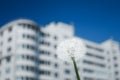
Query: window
(115, 58)
(88, 78)
(27, 36)
(56, 65)
(7, 79)
(23, 35)
(55, 55)
(116, 65)
(45, 62)
(48, 44)
(27, 57)
(10, 29)
(9, 49)
(93, 55)
(66, 63)
(88, 70)
(9, 39)
(44, 72)
(27, 46)
(55, 37)
(55, 46)
(27, 68)
(88, 62)
(67, 79)
(26, 78)
(95, 48)
(43, 34)
(8, 59)
(93, 63)
(44, 52)
(1, 33)
(29, 26)
(44, 43)
(67, 71)
(56, 74)
(116, 72)
(117, 79)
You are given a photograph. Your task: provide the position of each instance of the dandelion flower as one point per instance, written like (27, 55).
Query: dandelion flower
(71, 48)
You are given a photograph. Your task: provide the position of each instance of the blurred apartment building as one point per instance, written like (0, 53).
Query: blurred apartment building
(28, 52)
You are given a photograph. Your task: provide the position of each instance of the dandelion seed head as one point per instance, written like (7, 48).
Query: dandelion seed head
(71, 48)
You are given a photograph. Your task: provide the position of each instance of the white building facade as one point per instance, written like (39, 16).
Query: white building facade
(28, 52)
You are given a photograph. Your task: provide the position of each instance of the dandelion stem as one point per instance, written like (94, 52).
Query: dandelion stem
(75, 68)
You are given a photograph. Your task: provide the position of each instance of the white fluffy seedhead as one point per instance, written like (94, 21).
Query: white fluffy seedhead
(71, 48)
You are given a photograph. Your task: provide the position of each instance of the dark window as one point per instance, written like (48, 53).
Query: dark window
(29, 26)
(67, 71)
(67, 79)
(115, 58)
(7, 79)
(44, 62)
(10, 29)
(88, 62)
(117, 79)
(23, 35)
(55, 37)
(9, 39)
(48, 44)
(1, 33)
(116, 65)
(88, 78)
(100, 57)
(55, 46)
(42, 34)
(56, 65)
(29, 46)
(66, 63)
(28, 57)
(95, 48)
(44, 52)
(44, 72)
(27, 68)
(55, 55)
(93, 63)
(56, 74)
(116, 72)
(44, 43)
(9, 49)
(8, 59)
(88, 70)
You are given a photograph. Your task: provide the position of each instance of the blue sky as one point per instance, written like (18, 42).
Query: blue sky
(95, 20)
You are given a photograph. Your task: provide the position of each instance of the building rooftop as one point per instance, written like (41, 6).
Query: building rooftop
(16, 22)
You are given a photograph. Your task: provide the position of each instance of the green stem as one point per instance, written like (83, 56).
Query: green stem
(75, 68)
